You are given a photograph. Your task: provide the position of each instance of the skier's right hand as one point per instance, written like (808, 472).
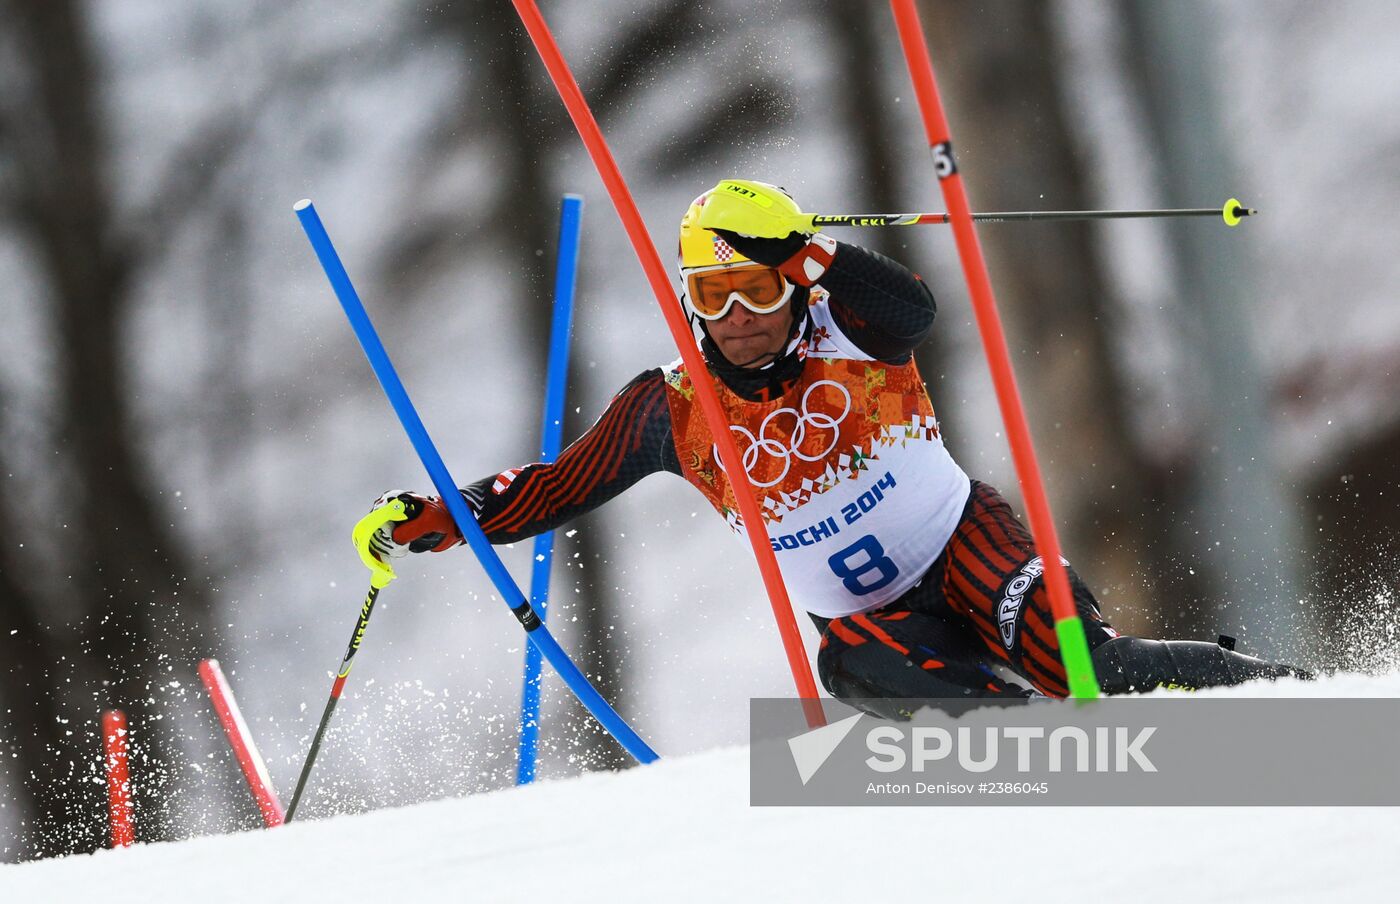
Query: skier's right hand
(428, 527)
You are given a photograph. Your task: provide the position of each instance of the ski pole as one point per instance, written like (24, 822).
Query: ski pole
(432, 461)
(380, 575)
(551, 438)
(1232, 213)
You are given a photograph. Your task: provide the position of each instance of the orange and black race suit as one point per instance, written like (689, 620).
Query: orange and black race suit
(919, 578)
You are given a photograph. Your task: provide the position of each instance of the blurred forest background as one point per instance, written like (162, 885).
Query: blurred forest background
(190, 430)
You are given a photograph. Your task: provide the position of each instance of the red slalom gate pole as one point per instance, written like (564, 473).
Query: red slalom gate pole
(240, 739)
(631, 217)
(120, 813)
(1074, 648)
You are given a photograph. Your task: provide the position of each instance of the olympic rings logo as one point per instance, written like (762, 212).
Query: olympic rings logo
(806, 419)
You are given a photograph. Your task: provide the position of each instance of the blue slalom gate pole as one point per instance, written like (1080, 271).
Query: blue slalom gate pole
(551, 438)
(520, 607)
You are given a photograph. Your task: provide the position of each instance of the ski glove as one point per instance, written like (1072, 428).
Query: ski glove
(428, 527)
(802, 258)
(763, 223)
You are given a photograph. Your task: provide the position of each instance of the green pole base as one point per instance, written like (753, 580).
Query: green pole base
(1074, 652)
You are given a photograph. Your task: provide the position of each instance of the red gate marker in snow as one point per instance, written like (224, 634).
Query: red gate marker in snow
(241, 740)
(114, 757)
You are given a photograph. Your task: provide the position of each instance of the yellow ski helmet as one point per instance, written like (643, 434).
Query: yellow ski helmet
(701, 247)
(702, 252)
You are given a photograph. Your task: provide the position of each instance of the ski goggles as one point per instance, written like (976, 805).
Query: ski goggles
(712, 291)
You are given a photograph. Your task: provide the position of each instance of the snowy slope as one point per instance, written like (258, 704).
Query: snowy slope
(682, 830)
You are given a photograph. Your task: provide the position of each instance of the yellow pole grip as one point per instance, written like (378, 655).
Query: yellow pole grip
(380, 572)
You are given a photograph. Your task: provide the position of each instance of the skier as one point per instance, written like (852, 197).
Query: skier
(922, 582)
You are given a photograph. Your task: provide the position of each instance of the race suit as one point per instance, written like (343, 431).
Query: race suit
(900, 558)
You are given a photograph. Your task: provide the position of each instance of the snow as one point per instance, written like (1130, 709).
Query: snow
(682, 830)
(274, 401)
(1311, 98)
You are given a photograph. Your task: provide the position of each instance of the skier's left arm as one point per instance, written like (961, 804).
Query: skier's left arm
(884, 307)
(881, 305)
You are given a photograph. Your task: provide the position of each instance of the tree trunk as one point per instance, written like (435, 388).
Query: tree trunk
(1354, 588)
(59, 806)
(528, 211)
(137, 603)
(864, 36)
(1013, 141)
(1239, 507)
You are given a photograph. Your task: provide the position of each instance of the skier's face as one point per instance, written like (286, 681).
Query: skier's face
(751, 340)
